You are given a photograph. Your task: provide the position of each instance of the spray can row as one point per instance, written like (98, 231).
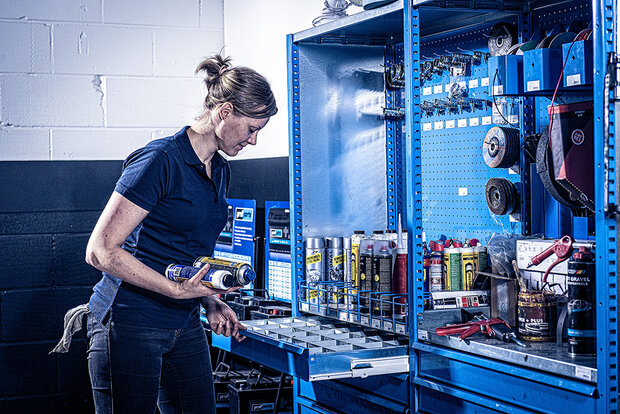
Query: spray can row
(452, 265)
(366, 265)
(328, 259)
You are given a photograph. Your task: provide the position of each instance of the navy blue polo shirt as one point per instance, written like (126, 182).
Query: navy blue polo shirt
(187, 212)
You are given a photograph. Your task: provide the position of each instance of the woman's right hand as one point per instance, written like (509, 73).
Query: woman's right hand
(193, 288)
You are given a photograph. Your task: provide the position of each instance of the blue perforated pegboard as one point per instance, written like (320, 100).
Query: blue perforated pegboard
(454, 174)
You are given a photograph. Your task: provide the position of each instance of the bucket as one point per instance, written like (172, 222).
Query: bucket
(538, 315)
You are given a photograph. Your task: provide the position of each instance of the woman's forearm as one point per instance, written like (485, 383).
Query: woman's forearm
(122, 264)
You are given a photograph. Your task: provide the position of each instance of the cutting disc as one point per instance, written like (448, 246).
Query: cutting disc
(502, 196)
(500, 148)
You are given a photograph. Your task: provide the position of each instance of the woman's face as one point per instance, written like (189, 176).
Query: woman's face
(236, 131)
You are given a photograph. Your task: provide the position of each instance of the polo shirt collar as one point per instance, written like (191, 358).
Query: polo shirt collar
(189, 155)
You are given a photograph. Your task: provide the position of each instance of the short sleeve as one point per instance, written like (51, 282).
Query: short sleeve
(144, 177)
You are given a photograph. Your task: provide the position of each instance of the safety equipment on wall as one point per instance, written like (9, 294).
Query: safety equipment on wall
(502, 196)
(544, 167)
(501, 38)
(500, 148)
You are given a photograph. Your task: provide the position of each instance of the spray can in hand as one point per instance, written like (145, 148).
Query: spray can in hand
(214, 278)
(242, 272)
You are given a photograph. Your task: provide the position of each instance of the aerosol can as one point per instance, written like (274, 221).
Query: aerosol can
(214, 278)
(242, 272)
(581, 306)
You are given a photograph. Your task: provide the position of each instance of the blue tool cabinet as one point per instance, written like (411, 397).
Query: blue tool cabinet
(361, 154)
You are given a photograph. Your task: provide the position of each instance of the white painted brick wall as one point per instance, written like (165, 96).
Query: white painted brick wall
(97, 144)
(96, 79)
(52, 10)
(49, 100)
(24, 144)
(175, 50)
(180, 13)
(104, 50)
(25, 48)
(153, 102)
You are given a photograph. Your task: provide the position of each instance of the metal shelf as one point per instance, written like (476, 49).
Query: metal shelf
(378, 26)
(348, 310)
(543, 356)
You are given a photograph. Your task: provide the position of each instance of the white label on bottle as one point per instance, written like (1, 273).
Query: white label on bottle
(438, 124)
(573, 80)
(450, 124)
(487, 120)
(427, 91)
(498, 90)
(463, 191)
(462, 123)
(484, 82)
(427, 126)
(474, 121)
(437, 89)
(533, 86)
(422, 335)
(473, 83)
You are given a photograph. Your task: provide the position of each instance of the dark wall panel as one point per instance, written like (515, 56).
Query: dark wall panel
(69, 265)
(26, 261)
(37, 314)
(56, 186)
(260, 179)
(48, 222)
(27, 370)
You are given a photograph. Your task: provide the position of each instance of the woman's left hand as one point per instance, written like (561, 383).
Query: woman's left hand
(222, 319)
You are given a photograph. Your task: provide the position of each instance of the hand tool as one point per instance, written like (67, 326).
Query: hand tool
(493, 328)
(562, 249)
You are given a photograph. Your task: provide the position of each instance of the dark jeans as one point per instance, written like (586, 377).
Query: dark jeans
(134, 369)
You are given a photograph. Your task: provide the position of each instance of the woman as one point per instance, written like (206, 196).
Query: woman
(146, 344)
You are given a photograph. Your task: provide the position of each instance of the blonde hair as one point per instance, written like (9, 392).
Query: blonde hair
(247, 90)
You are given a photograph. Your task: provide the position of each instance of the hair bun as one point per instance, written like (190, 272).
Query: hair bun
(223, 70)
(214, 67)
